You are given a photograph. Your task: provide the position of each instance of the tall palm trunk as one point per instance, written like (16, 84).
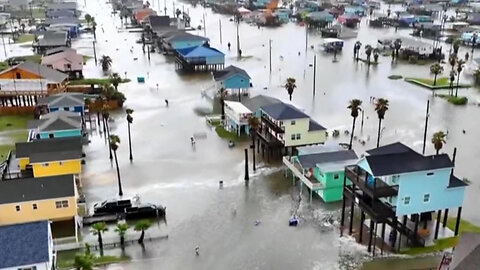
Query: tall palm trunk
(435, 79)
(142, 236)
(130, 142)
(120, 191)
(438, 151)
(458, 81)
(108, 136)
(290, 97)
(122, 241)
(253, 131)
(351, 135)
(379, 128)
(100, 242)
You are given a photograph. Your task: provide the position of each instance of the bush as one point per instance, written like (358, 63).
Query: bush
(458, 100)
(120, 97)
(412, 59)
(395, 77)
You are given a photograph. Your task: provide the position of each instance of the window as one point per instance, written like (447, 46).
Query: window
(61, 204)
(17, 208)
(406, 200)
(292, 123)
(66, 109)
(298, 136)
(281, 123)
(336, 176)
(293, 137)
(19, 76)
(430, 174)
(64, 204)
(50, 135)
(45, 164)
(34, 206)
(395, 179)
(60, 162)
(426, 198)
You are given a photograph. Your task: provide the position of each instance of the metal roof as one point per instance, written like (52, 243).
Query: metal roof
(256, 102)
(312, 160)
(55, 122)
(63, 100)
(51, 146)
(229, 72)
(282, 111)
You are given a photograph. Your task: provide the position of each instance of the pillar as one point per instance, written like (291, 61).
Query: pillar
(375, 239)
(445, 218)
(370, 236)
(362, 220)
(417, 219)
(437, 225)
(404, 223)
(352, 207)
(457, 224)
(383, 238)
(342, 218)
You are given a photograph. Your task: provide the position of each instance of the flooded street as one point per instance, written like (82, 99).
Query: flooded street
(168, 171)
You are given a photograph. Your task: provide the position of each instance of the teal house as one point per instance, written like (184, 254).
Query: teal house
(233, 78)
(57, 124)
(180, 40)
(321, 168)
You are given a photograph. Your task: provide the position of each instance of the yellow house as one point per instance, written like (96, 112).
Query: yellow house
(32, 199)
(50, 157)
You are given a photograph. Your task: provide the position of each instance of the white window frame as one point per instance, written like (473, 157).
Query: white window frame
(427, 195)
(299, 136)
(405, 200)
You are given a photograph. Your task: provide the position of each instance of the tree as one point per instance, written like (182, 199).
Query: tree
(474, 41)
(368, 52)
(114, 142)
(381, 107)
(452, 79)
(436, 69)
(438, 140)
(106, 62)
(222, 102)
(290, 86)
(460, 63)
(105, 116)
(121, 229)
(129, 121)
(397, 44)
(254, 124)
(456, 46)
(354, 106)
(115, 80)
(142, 226)
(83, 262)
(358, 45)
(94, 29)
(376, 53)
(88, 19)
(97, 229)
(452, 59)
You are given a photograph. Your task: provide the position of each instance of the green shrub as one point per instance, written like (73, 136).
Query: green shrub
(458, 100)
(395, 77)
(412, 59)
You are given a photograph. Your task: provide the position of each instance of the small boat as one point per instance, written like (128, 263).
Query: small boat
(331, 44)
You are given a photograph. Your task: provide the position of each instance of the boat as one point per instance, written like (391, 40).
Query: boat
(331, 44)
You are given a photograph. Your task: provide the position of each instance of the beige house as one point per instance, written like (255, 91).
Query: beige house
(67, 61)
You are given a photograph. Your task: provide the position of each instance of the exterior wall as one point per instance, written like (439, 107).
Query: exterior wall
(212, 60)
(364, 165)
(23, 74)
(236, 82)
(57, 168)
(78, 109)
(333, 187)
(301, 127)
(23, 162)
(331, 194)
(416, 185)
(61, 133)
(186, 44)
(46, 210)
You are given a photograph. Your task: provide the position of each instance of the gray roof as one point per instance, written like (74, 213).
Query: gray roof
(397, 158)
(455, 182)
(42, 71)
(50, 147)
(35, 189)
(311, 160)
(56, 121)
(254, 103)
(467, 253)
(24, 244)
(63, 100)
(62, 13)
(159, 21)
(58, 50)
(54, 156)
(184, 36)
(229, 72)
(283, 111)
(62, 20)
(64, 5)
(314, 126)
(52, 39)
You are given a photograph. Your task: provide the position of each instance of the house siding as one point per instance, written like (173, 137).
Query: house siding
(23, 162)
(333, 187)
(78, 109)
(23, 74)
(416, 185)
(212, 60)
(57, 168)
(186, 44)
(306, 137)
(236, 82)
(61, 133)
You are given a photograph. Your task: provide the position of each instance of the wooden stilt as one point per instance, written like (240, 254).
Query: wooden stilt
(369, 249)
(457, 224)
(437, 225)
(362, 220)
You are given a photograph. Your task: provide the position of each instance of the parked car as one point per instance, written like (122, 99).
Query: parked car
(111, 207)
(144, 211)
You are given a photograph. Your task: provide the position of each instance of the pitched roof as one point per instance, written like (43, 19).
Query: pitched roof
(398, 158)
(62, 20)
(34, 189)
(51, 39)
(314, 126)
(229, 72)
(283, 111)
(61, 13)
(200, 51)
(63, 100)
(58, 50)
(51, 147)
(467, 253)
(184, 36)
(159, 21)
(24, 244)
(311, 160)
(256, 102)
(42, 71)
(455, 182)
(56, 121)
(63, 5)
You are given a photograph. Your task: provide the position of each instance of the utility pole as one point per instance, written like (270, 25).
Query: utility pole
(220, 27)
(426, 125)
(247, 177)
(174, 15)
(204, 26)
(165, 7)
(306, 37)
(94, 53)
(314, 72)
(148, 48)
(270, 53)
(238, 36)
(4, 48)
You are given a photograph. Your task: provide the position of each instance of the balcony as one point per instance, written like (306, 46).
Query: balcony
(268, 139)
(271, 125)
(375, 189)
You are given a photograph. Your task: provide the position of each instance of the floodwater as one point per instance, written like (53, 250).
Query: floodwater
(169, 171)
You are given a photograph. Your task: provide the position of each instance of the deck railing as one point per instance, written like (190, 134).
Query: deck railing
(375, 188)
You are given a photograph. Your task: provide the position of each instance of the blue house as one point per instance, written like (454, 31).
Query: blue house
(231, 78)
(181, 40)
(397, 186)
(56, 124)
(73, 102)
(200, 58)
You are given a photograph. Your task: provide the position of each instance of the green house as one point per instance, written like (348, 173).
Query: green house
(321, 168)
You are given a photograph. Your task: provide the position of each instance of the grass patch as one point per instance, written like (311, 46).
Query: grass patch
(3, 66)
(395, 77)
(13, 122)
(38, 13)
(25, 38)
(225, 134)
(440, 244)
(86, 58)
(454, 100)
(89, 81)
(442, 83)
(465, 226)
(36, 58)
(15, 128)
(66, 259)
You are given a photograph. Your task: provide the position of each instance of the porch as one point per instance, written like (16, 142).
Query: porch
(297, 172)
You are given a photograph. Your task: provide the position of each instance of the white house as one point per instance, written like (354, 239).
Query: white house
(236, 117)
(27, 246)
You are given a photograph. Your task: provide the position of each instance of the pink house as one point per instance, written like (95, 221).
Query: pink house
(67, 61)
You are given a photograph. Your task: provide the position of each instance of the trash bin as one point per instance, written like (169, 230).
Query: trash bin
(141, 79)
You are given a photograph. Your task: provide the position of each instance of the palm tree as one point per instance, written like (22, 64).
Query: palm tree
(83, 262)
(142, 226)
(222, 102)
(105, 117)
(460, 63)
(354, 106)
(290, 86)
(97, 229)
(436, 69)
(381, 107)
(129, 121)
(452, 59)
(115, 80)
(452, 79)
(88, 19)
(106, 62)
(121, 229)
(254, 124)
(114, 142)
(94, 28)
(456, 46)
(438, 140)
(376, 53)
(358, 45)
(397, 44)
(368, 52)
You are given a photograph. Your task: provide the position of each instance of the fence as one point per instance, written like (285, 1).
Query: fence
(17, 110)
